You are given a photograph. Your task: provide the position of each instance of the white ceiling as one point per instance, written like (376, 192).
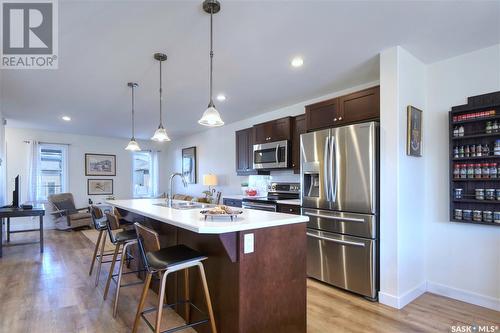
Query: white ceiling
(105, 44)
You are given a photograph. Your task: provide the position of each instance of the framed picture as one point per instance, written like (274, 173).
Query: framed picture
(100, 165)
(189, 164)
(414, 132)
(99, 186)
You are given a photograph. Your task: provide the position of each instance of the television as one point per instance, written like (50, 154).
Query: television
(15, 194)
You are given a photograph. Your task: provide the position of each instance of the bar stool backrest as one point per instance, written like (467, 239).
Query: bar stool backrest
(148, 240)
(112, 223)
(97, 215)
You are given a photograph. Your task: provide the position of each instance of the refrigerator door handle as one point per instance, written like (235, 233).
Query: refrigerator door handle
(326, 173)
(348, 219)
(342, 242)
(333, 168)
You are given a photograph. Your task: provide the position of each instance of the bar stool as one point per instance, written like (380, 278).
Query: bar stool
(165, 261)
(123, 238)
(99, 221)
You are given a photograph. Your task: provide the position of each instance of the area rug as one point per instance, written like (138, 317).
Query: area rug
(92, 236)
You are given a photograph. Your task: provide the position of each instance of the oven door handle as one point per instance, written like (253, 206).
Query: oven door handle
(337, 218)
(257, 206)
(342, 242)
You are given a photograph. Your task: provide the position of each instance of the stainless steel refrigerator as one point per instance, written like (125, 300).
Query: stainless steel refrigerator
(339, 184)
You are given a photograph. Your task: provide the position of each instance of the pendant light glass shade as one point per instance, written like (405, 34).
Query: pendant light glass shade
(161, 133)
(133, 145)
(211, 116)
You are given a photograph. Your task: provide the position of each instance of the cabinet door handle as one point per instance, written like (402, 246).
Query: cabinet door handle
(334, 119)
(340, 118)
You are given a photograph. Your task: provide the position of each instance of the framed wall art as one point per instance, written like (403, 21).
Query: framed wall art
(414, 132)
(100, 165)
(99, 186)
(189, 164)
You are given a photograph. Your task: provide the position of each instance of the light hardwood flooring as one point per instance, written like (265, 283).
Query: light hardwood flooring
(53, 293)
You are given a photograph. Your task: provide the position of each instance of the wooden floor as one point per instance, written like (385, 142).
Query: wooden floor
(53, 293)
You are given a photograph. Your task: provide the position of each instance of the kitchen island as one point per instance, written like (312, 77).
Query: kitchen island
(256, 266)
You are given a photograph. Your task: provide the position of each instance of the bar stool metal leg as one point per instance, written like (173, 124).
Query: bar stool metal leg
(145, 289)
(120, 273)
(96, 248)
(187, 308)
(111, 269)
(101, 256)
(207, 297)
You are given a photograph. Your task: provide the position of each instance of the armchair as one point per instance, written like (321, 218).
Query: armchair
(66, 216)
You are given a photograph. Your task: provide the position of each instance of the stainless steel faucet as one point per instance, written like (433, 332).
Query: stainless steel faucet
(184, 182)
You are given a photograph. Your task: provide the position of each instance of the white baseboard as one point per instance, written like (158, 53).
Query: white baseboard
(464, 295)
(401, 301)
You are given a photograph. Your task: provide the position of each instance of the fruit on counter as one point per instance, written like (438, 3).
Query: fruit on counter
(251, 192)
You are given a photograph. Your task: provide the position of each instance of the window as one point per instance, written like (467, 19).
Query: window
(144, 174)
(53, 170)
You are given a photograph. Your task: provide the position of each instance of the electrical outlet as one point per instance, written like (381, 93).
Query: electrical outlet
(248, 243)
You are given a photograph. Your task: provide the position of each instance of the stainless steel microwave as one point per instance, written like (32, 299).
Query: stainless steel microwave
(273, 155)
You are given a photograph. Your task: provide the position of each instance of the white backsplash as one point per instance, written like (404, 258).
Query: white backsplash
(261, 183)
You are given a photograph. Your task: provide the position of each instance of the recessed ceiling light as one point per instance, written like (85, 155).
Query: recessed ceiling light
(66, 118)
(221, 97)
(297, 62)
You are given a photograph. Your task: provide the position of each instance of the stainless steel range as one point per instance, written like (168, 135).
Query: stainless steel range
(339, 180)
(276, 191)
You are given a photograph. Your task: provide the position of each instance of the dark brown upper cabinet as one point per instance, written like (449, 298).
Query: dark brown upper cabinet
(360, 106)
(244, 153)
(298, 128)
(356, 107)
(271, 131)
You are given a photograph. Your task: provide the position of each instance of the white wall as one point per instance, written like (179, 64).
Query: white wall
(402, 83)
(17, 161)
(215, 148)
(463, 261)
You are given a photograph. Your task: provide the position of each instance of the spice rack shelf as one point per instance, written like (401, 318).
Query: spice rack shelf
(475, 120)
(495, 180)
(476, 158)
(494, 202)
(476, 222)
(483, 113)
(475, 136)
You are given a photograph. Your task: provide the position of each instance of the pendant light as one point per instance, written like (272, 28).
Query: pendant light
(211, 116)
(133, 145)
(160, 134)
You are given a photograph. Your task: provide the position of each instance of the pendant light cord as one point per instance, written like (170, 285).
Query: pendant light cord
(211, 55)
(161, 97)
(133, 118)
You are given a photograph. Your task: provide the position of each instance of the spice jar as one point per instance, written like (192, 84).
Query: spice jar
(497, 194)
(489, 126)
(479, 150)
(486, 150)
(478, 171)
(486, 170)
(467, 151)
(455, 131)
(463, 171)
(456, 171)
(496, 150)
(461, 131)
(461, 152)
(459, 191)
(487, 216)
(467, 214)
(472, 150)
(489, 194)
(493, 170)
(455, 152)
(479, 193)
(470, 170)
(494, 127)
(477, 215)
(458, 214)
(496, 217)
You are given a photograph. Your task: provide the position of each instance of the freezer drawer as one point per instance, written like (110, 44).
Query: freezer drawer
(360, 225)
(343, 261)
